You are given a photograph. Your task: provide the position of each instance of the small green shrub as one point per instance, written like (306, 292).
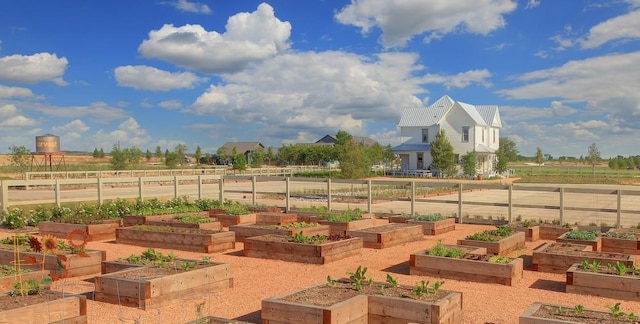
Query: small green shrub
(581, 235)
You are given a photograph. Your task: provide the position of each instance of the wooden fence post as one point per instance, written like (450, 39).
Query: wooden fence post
(221, 188)
(287, 195)
(561, 205)
(199, 187)
(413, 198)
(369, 198)
(4, 195)
(141, 188)
(460, 203)
(57, 192)
(253, 190)
(175, 186)
(329, 194)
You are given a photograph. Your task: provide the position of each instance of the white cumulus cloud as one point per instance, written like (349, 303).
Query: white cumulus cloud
(249, 37)
(14, 92)
(150, 78)
(619, 28)
(33, 68)
(401, 20)
(188, 6)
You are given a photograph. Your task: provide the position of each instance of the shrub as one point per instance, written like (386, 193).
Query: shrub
(14, 218)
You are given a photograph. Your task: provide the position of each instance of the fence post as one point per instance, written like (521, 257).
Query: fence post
(175, 186)
(141, 188)
(99, 190)
(413, 198)
(221, 188)
(199, 187)
(287, 195)
(253, 190)
(460, 202)
(57, 192)
(369, 198)
(329, 194)
(561, 205)
(619, 209)
(4, 195)
(510, 203)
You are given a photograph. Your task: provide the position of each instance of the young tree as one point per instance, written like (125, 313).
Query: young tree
(223, 155)
(181, 150)
(539, 158)
(501, 165)
(508, 148)
(102, 154)
(20, 157)
(270, 155)
(198, 154)
(96, 153)
(257, 158)
(158, 153)
(118, 158)
(442, 155)
(469, 164)
(239, 160)
(171, 159)
(594, 155)
(148, 155)
(353, 161)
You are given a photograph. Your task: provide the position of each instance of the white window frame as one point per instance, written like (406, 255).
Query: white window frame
(465, 131)
(425, 135)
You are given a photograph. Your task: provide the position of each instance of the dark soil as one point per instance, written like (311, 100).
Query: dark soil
(588, 317)
(385, 228)
(11, 302)
(343, 289)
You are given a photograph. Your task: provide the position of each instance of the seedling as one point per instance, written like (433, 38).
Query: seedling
(359, 277)
(559, 310)
(421, 289)
(330, 282)
(615, 311)
(392, 281)
(206, 260)
(621, 268)
(579, 310)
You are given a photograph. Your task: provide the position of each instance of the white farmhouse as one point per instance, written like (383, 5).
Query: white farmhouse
(468, 128)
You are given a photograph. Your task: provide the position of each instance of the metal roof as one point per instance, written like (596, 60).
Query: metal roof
(432, 115)
(411, 147)
(488, 113)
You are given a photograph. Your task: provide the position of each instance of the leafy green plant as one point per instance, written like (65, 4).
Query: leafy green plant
(584, 235)
(429, 218)
(294, 225)
(621, 268)
(615, 311)
(330, 282)
(500, 259)
(559, 310)
(440, 250)
(301, 238)
(391, 281)
(593, 266)
(188, 265)
(422, 288)
(29, 286)
(359, 277)
(206, 260)
(14, 218)
(621, 235)
(579, 309)
(193, 219)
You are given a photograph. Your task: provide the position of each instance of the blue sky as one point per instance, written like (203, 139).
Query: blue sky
(146, 73)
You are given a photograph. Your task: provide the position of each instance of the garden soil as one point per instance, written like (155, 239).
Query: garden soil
(257, 279)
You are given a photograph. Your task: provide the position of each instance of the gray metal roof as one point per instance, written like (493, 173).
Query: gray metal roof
(242, 147)
(411, 147)
(432, 115)
(488, 113)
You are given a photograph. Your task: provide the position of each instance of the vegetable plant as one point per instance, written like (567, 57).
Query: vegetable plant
(359, 277)
(579, 309)
(440, 250)
(581, 235)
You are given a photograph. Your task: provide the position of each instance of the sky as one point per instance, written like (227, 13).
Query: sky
(148, 73)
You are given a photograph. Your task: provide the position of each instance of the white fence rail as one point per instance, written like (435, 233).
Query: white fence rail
(613, 205)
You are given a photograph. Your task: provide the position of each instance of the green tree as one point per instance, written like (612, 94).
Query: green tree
(96, 153)
(352, 157)
(102, 154)
(508, 148)
(158, 153)
(501, 165)
(239, 160)
(118, 158)
(198, 154)
(270, 155)
(539, 158)
(442, 155)
(148, 155)
(594, 155)
(257, 157)
(181, 150)
(171, 159)
(20, 157)
(469, 164)
(223, 155)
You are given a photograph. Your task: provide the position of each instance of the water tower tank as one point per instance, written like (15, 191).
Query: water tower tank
(48, 143)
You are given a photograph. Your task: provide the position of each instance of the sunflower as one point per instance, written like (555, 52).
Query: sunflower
(77, 238)
(35, 244)
(50, 244)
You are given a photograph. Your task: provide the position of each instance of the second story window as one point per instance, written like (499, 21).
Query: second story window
(465, 134)
(425, 135)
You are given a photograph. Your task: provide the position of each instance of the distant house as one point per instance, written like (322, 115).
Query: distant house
(246, 148)
(328, 139)
(468, 128)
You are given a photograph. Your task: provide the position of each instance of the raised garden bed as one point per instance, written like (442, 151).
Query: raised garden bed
(466, 263)
(500, 241)
(8, 280)
(132, 220)
(280, 247)
(543, 313)
(557, 257)
(531, 231)
(583, 237)
(341, 303)
(95, 232)
(385, 236)
(63, 265)
(265, 218)
(148, 258)
(202, 222)
(552, 232)
(49, 307)
(154, 287)
(618, 282)
(341, 228)
(251, 230)
(433, 224)
(621, 241)
(217, 320)
(185, 239)
(227, 220)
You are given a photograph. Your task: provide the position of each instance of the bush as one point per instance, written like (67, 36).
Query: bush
(14, 218)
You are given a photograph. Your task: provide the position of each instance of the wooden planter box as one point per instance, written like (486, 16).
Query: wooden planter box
(133, 287)
(181, 239)
(212, 226)
(7, 282)
(602, 284)
(529, 316)
(382, 237)
(217, 320)
(531, 233)
(245, 231)
(227, 220)
(275, 218)
(307, 217)
(501, 247)
(341, 228)
(595, 244)
(436, 227)
(552, 232)
(363, 309)
(133, 220)
(67, 309)
(95, 232)
(275, 247)
(73, 265)
(618, 245)
(423, 264)
(545, 259)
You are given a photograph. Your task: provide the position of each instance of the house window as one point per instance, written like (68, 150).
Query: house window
(425, 135)
(420, 164)
(465, 134)
(483, 135)
(494, 136)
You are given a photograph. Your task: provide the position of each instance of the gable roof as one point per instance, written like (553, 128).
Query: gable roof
(432, 115)
(328, 139)
(242, 147)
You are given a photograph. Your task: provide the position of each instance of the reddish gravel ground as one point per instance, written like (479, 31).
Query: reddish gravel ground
(256, 279)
